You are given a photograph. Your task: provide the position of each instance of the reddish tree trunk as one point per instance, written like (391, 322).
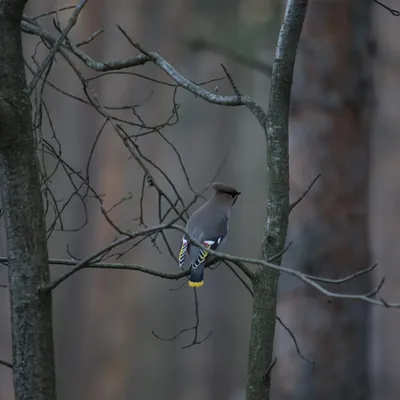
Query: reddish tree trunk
(329, 229)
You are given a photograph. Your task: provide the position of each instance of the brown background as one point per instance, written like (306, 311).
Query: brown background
(103, 319)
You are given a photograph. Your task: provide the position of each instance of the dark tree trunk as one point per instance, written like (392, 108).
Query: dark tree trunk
(265, 282)
(31, 311)
(329, 229)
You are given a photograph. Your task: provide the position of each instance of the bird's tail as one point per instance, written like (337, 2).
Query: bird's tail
(197, 267)
(196, 276)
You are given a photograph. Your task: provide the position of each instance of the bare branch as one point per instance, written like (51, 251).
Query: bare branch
(6, 364)
(374, 292)
(308, 279)
(185, 83)
(393, 11)
(160, 62)
(88, 261)
(71, 23)
(53, 12)
(267, 375)
(295, 203)
(90, 38)
(280, 253)
(194, 328)
(346, 278)
(140, 59)
(286, 328)
(244, 283)
(231, 81)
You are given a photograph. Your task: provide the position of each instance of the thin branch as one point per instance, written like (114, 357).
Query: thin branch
(308, 279)
(294, 340)
(71, 23)
(90, 38)
(6, 364)
(88, 261)
(393, 11)
(244, 283)
(135, 61)
(346, 278)
(194, 328)
(295, 203)
(185, 83)
(284, 326)
(116, 266)
(374, 292)
(231, 81)
(144, 58)
(280, 253)
(52, 12)
(243, 268)
(267, 375)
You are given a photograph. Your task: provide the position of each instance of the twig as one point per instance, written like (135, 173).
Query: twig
(52, 12)
(244, 283)
(71, 22)
(231, 81)
(345, 279)
(308, 279)
(280, 253)
(6, 364)
(393, 11)
(267, 375)
(185, 83)
(294, 340)
(374, 292)
(142, 59)
(194, 328)
(90, 38)
(86, 263)
(295, 203)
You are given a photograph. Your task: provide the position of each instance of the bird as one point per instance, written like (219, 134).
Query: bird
(209, 225)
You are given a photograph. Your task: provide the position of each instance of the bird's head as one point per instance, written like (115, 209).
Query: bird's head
(226, 192)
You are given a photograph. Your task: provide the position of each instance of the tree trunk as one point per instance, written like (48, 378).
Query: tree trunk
(277, 210)
(31, 311)
(329, 229)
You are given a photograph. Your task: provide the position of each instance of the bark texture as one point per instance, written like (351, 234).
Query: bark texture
(277, 209)
(31, 311)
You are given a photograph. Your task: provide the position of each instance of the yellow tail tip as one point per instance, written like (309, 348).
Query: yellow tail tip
(196, 284)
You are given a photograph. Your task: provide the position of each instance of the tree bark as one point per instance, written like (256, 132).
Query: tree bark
(277, 211)
(31, 311)
(329, 229)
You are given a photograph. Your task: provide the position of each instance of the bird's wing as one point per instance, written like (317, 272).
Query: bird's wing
(182, 252)
(210, 232)
(198, 256)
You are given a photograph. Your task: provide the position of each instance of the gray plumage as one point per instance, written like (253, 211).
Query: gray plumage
(209, 225)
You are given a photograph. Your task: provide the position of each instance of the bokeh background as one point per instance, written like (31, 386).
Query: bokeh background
(344, 126)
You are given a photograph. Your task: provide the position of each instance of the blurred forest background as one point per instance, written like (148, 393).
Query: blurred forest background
(344, 125)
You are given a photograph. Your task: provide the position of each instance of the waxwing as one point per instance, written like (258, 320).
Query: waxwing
(209, 225)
